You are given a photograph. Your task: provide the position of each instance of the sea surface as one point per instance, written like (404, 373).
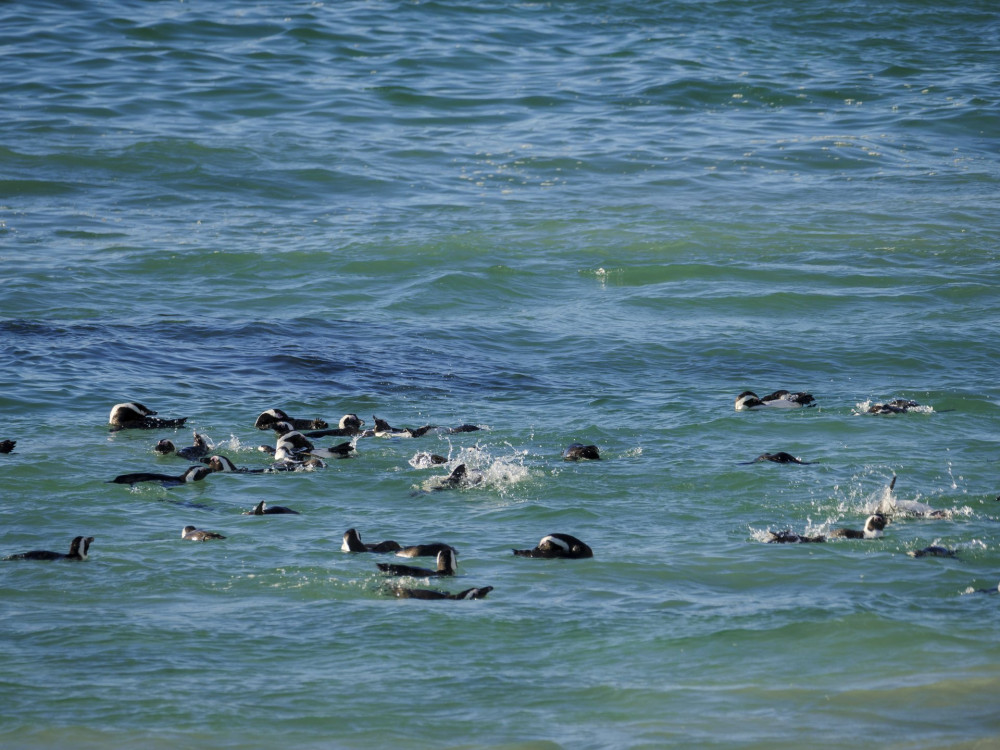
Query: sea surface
(561, 222)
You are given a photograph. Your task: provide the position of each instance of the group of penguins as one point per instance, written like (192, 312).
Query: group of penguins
(783, 399)
(875, 523)
(787, 400)
(295, 451)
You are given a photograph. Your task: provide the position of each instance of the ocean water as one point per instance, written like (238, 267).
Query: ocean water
(567, 222)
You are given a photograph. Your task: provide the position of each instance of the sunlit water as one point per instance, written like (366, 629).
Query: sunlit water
(573, 222)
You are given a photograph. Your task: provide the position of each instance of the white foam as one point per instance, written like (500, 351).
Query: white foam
(234, 444)
(862, 407)
(485, 470)
(422, 460)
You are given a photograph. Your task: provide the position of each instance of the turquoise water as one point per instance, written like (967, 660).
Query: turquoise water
(584, 221)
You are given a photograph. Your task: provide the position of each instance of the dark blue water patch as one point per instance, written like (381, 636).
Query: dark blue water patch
(300, 358)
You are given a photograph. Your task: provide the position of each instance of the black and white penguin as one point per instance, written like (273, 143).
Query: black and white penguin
(458, 475)
(269, 418)
(891, 507)
(425, 550)
(197, 535)
(933, 551)
(78, 550)
(426, 460)
(297, 461)
(384, 429)
(6, 446)
(290, 441)
(341, 450)
(352, 543)
(292, 445)
(781, 457)
(199, 450)
(779, 399)
(896, 406)
(445, 567)
(350, 425)
(872, 530)
(874, 525)
(133, 415)
(263, 509)
(557, 545)
(459, 478)
(787, 537)
(467, 428)
(225, 465)
(408, 593)
(577, 451)
(193, 474)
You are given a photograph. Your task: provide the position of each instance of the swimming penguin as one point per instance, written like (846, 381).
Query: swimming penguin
(445, 567)
(197, 535)
(466, 428)
(284, 452)
(872, 530)
(460, 477)
(425, 460)
(793, 399)
(407, 593)
(352, 543)
(6, 446)
(263, 509)
(292, 445)
(290, 440)
(78, 550)
(989, 591)
(457, 476)
(897, 406)
(425, 550)
(384, 429)
(787, 537)
(271, 417)
(341, 450)
(557, 545)
(889, 506)
(933, 551)
(350, 425)
(134, 415)
(779, 399)
(779, 458)
(193, 474)
(194, 452)
(225, 465)
(576, 451)
(300, 462)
